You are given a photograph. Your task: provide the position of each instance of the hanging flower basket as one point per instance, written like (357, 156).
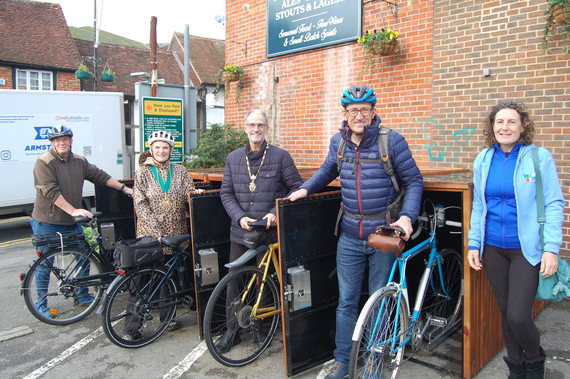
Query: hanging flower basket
(228, 76)
(83, 72)
(385, 48)
(558, 14)
(108, 76)
(229, 73)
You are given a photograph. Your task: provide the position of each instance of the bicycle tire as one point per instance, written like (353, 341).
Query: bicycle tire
(63, 300)
(436, 303)
(129, 310)
(248, 330)
(372, 354)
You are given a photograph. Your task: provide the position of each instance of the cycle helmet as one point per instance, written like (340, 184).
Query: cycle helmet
(60, 131)
(358, 94)
(161, 135)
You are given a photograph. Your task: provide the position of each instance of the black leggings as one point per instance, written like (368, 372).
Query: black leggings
(514, 281)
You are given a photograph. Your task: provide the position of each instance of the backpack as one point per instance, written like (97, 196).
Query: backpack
(386, 160)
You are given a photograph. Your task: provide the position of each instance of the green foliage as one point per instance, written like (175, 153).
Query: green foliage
(215, 145)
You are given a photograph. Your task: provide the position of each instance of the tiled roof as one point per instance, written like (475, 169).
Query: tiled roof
(125, 60)
(33, 33)
(207, 56)
(86, 33)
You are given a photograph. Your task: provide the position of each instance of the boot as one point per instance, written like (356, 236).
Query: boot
(516, 369)
(535, 367)
(228, 340)
(258, 335)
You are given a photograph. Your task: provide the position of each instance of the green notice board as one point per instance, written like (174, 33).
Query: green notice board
(164, 114)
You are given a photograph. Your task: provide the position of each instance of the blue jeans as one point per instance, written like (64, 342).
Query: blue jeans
(43, 272)
(353, 257)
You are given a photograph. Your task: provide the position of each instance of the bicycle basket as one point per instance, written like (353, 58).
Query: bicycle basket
(137, 252)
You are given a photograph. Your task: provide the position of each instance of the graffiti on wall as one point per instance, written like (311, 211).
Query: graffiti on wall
(441, 145)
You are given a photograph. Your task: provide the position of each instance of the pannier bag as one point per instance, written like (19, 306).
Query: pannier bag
(137, 252)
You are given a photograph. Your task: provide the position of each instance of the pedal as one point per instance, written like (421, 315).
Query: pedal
(439, 322)
(188, 301)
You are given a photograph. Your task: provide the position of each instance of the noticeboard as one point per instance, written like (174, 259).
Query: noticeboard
(297, 25)
(164, 114)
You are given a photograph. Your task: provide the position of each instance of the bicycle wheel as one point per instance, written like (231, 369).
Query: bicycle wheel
(230, 311)
(444, 305)
(378, 338)
(57, 287)
(137, 310)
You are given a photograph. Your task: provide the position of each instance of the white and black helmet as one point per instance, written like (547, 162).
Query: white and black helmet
(161, 135)
(59, 131)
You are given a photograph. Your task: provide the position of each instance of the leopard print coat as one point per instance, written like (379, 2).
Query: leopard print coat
(152, 219)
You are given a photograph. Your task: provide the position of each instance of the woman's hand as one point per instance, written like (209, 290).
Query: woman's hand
(548, 264)
(473, 259)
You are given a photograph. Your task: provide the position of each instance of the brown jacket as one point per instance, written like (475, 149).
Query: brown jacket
(54, 176)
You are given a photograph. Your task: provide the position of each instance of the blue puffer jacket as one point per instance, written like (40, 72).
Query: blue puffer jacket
(366, 189)
(277, 178)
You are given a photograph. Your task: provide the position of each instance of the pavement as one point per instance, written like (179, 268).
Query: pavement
(445, 361)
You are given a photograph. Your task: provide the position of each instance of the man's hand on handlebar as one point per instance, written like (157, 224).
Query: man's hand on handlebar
(404, 223)
(78, 212)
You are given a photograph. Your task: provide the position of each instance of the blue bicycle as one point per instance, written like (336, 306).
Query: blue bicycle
(386, 325)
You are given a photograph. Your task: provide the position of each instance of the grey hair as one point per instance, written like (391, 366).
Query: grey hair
(260, 112)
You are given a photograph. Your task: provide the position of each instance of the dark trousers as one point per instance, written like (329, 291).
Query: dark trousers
(514, 281)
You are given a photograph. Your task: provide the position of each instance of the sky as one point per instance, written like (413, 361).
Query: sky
(131, 18)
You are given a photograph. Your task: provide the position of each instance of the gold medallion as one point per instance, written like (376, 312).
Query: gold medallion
(252, 187)
(166, 203)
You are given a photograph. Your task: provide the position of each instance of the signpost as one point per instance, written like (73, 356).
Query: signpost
(164, 114)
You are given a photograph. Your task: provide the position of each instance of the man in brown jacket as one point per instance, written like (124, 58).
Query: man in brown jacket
(58, 177)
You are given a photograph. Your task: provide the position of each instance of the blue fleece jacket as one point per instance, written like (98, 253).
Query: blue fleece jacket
(524, 180)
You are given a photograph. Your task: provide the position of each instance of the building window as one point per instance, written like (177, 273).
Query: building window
(34, 80)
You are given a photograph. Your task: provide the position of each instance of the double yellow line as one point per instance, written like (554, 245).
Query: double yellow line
(14, 242)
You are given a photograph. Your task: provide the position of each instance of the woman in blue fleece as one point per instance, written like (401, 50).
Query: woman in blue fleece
(504, 229)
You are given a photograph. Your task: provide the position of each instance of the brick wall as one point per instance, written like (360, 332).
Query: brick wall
(435, 93)
(66, 81)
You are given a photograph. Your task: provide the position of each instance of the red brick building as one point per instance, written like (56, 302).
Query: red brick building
(458, 58)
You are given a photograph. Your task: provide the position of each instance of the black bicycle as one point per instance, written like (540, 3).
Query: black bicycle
(141, 302)
(65, 283)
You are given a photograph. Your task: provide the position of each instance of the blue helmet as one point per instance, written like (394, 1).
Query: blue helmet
(358, 94)
(60, 131)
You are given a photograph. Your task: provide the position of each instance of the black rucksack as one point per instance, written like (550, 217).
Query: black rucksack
(386, 160)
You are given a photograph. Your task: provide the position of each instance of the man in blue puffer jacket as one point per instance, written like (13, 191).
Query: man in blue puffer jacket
(366, 191)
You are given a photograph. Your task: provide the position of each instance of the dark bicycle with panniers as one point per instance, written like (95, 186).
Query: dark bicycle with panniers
(65, 283)
(141, 303)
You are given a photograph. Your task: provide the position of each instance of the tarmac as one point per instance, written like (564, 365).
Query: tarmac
(445, 361)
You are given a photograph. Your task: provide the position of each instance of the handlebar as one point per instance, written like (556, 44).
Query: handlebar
(86, 220)
(456, 224)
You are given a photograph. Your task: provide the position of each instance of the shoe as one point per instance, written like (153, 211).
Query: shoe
(85, 299)
(173, 325)
(337, 370)
(44, 310)
(229, 340)
(128, 337)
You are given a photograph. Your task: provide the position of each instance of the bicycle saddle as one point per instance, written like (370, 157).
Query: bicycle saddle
(174, 241)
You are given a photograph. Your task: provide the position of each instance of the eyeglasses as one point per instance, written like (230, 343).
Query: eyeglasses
(364, 111)
(252, 125)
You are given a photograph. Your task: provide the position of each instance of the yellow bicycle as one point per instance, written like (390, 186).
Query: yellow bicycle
(245, 305)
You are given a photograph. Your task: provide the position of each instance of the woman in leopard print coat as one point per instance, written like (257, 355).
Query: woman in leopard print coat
(161, 210)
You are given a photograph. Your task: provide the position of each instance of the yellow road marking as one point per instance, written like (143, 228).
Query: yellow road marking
(14, 242)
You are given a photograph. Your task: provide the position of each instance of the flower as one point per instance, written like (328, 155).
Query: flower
(557, 13)
(375, 37)
(83, 68)
(224, 76)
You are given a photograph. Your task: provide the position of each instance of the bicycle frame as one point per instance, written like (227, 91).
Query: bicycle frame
(399, 265)
(270, 257)
(173, 263)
